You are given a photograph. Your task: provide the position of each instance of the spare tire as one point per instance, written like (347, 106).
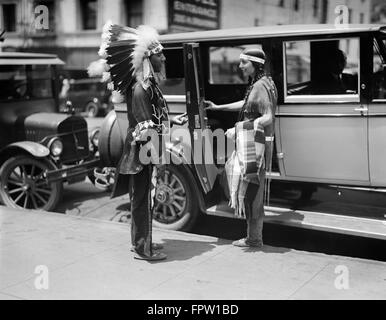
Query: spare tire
(111, 142)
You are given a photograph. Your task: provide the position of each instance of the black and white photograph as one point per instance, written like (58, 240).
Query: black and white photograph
(193, 155)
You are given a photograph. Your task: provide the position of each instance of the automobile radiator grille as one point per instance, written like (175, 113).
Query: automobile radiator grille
(75, 143)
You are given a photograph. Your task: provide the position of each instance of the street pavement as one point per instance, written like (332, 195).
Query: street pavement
(56, 256)
(83, 199)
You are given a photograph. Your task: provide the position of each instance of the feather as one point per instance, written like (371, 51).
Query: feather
(120, 75)
(102, 50)
(116, 97)
(96, 68)
(119, 57)
(106, 77)
(124, 50)
(110, 86)
(113, 50)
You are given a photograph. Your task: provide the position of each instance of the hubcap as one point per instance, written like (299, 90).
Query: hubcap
(164, 195)
(170, 198)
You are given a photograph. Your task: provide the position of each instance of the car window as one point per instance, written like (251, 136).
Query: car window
(379, 75)
(13, 82)
(40, 81)
(326, 67)
(224, 64)
(174, 80)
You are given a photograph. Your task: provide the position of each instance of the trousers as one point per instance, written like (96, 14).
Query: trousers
(141, 214)
(254, 209)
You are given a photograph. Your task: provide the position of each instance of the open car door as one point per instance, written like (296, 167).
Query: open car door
(201, 139)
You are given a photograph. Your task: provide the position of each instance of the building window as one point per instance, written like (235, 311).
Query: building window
(324, 11)
(349, 15)
(315, 7)
(281, 3)
(88, 10)
(9, 17)
(361, 17)
(134, 12)
(296, 5)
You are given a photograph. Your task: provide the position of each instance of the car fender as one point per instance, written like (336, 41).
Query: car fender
(35, 149)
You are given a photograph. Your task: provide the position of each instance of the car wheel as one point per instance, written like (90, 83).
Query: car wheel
(92, 109)
(176, 204)
(23, 186)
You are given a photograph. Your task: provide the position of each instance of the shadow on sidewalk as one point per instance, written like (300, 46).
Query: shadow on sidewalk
(179, 250)
(267, 249)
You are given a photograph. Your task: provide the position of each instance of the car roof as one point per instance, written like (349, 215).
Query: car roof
(270, 31)
(26, 58)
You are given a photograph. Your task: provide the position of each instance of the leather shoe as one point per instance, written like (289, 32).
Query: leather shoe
(243, 243)
(154, 257)
(154, 246)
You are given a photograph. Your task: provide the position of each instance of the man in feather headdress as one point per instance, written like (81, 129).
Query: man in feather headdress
(134, 61)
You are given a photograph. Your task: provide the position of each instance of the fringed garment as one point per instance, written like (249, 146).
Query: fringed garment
(247, 162)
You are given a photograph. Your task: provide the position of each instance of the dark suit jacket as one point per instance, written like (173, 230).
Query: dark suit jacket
(329, 84)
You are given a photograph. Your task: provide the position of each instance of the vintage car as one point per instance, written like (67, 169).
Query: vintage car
(40, 148)
(88, 96)
(324, 132)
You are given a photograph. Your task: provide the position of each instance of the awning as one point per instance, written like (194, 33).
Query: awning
(8, 62)
(22, 58)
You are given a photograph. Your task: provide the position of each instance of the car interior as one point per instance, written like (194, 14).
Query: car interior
(224, 84)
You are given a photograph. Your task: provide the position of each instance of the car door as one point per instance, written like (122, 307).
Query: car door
(324, 128)
(377, 112)
(201, 142)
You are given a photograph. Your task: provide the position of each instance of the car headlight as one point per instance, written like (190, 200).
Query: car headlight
(94, 137)
(55, 145)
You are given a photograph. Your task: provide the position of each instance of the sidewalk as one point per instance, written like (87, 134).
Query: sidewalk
(90, 259)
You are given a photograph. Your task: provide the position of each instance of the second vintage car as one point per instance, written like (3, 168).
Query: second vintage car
(88, 96)
(40, 148)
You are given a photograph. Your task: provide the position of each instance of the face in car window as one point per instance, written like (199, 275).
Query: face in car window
(326, 67)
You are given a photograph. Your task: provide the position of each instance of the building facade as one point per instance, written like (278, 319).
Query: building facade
(72, 28)
(378, 11)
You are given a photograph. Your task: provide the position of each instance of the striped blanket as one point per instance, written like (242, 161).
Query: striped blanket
(246, 161)
(250, 147)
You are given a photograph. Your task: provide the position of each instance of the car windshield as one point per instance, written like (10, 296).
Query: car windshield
(23, 82)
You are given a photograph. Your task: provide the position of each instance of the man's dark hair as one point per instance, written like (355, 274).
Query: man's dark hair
(337, 61)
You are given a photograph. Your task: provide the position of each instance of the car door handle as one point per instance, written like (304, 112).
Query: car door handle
(361, 109)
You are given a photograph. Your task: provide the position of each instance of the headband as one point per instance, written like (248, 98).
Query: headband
(157, 49)
(252, 58)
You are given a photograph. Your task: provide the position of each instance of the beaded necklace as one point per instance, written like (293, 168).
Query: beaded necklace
(160, 108)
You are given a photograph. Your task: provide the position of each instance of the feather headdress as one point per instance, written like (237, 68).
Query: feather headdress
(126, 52)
